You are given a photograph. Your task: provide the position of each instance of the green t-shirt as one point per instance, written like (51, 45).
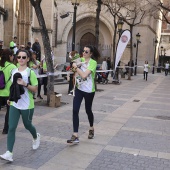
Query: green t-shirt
(88, 84)
(7, 72)
(44, 65)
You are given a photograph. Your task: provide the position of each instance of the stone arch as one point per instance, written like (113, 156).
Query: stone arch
(81, 17)
(87, 39)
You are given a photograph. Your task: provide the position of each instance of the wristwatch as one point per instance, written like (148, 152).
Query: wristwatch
(27, 85)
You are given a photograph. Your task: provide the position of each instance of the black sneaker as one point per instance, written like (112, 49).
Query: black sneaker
(40, 96)
(73, 140)
(4, 132)
(91, 134)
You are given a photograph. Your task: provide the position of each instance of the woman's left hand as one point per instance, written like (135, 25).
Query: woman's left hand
(21, 82)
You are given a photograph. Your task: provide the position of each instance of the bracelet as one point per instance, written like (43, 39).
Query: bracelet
(27, 85)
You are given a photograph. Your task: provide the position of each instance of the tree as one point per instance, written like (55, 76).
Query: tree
(99, 2)
(47, 47)
(162, 8)
(113, 9)
(131, 12)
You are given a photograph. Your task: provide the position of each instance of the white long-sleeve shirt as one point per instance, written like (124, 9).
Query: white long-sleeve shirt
(146, 67)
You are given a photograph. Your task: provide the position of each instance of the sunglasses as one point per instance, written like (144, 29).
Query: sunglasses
(23, 57)
(84, 51)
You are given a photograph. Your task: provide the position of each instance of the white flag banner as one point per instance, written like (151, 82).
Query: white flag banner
(122, 43)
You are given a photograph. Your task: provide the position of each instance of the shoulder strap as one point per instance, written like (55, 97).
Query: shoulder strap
(6, 67)
(29, 75)
(10, 75)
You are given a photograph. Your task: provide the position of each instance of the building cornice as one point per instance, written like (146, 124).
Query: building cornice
(38, 29)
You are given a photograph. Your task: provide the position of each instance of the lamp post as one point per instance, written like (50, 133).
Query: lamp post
(119, 26)
(160, 60)
(75, 3)
(137, 43)
(153, 71)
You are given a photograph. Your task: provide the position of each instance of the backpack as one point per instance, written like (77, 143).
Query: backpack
(2, 79)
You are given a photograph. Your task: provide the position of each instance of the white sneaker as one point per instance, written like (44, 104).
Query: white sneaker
(7, 156)
(36, 142)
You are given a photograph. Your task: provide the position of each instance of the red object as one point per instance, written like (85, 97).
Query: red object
(67, 68)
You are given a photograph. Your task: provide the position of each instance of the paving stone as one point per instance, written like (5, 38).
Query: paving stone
(141, 141)
(123, 161)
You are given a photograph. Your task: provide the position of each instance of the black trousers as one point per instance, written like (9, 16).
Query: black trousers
(39, 86)
(45, 80)
(4, 99)
(166, 72)
(88, 97)
(145, 74)
(70, 83)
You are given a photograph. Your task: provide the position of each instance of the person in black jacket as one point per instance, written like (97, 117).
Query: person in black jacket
(108, 65)
(37, 48)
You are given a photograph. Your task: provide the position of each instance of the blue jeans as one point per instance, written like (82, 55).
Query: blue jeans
(88, 97)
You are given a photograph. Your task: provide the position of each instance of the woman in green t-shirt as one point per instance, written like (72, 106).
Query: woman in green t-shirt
(24, 106)
(85, 88)
(6, 65)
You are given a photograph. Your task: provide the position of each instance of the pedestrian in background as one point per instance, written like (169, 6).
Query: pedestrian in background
(24, 106)
(166, 68)
(28, 47)
(145, 72)
(35, 66)
(37, 48)
(85, 88)
(43, 66)
(108, 65)
(6, 65)
(13, 45)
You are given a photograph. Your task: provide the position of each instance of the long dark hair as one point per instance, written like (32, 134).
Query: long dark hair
(94, 51)
(6, 53)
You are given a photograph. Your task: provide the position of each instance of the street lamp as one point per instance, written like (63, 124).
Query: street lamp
(161, 57)
(153, 71)
(75, 3)
(120, 25)
(137, 42)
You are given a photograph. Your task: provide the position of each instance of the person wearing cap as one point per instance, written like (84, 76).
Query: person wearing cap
(13, 45)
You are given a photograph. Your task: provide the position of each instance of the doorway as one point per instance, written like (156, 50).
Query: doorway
(87, 39)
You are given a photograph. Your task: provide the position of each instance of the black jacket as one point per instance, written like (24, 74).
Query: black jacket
(16, 90)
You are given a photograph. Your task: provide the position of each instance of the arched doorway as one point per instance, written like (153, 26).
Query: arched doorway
(87, 39)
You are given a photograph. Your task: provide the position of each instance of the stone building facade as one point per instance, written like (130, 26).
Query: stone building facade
(22, 22)
(164, 48)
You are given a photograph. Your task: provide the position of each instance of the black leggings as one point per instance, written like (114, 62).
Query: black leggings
(88, 97)
(145, 74)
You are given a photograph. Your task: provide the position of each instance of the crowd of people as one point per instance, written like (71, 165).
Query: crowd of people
(21, 67)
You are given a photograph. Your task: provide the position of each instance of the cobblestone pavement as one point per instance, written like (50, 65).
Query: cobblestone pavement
(132, 130)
